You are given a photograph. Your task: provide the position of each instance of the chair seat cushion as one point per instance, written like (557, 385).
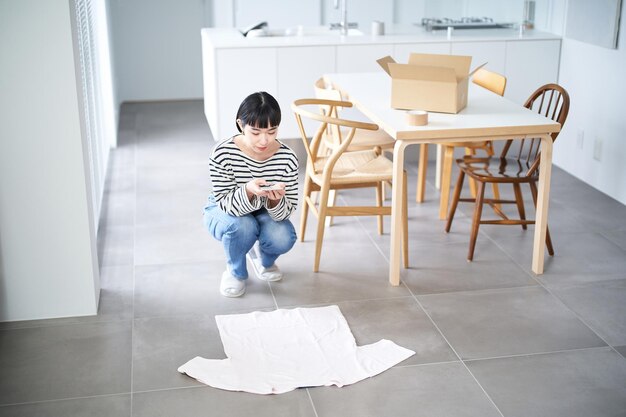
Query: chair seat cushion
(368, 139)
(496, 169)
(356, 167)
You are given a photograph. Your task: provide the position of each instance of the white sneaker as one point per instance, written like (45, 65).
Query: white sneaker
(230, 286)
(271, 273)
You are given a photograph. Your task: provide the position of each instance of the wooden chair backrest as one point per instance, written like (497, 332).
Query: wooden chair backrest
(551, 101)
(324, 92)
(490, 80)
(312, 145)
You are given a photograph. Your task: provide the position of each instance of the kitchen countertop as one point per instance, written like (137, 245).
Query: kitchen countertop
(394, 34)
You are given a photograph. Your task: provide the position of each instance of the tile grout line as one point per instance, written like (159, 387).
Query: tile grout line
(416, 365)
(516, 355)
(312, 403)
(269, 284)
(554, 296)
(575, 314)
(437, 327)
(132, 328)
(95, 322)
(550, 352)
(56, 400)
(584, 322)
(590, 327)
(360, 300)
(480, 291)
(371, 238)
(147, 391)
(453, 349)
(540, 284)
(358, 220)
(532, 276)
(447, 292)
(536, 279)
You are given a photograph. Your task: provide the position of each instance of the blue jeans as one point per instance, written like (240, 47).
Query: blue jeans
(239, 234)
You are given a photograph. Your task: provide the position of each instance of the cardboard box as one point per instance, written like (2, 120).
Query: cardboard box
(429, 82)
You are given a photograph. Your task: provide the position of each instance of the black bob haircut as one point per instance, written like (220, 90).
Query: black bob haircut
(259, 110)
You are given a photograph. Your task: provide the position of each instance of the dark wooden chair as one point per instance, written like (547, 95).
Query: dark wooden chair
(496, 83)
(516, 165)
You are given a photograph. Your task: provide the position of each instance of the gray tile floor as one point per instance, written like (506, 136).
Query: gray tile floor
(492, 339)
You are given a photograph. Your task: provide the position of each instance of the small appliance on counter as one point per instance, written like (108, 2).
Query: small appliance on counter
(444, 23)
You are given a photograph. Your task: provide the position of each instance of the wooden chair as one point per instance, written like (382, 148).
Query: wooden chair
(340, 169)
(495, 83)
(490, 80)
(378, 140)
(522, 166)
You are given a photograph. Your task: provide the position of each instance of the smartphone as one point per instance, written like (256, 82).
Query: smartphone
(268, 187)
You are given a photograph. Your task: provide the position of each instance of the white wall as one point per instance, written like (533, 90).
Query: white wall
(361, 12)
(48, 261)
(594, 78)
(280, 13)
(156, 46)
(156, 43)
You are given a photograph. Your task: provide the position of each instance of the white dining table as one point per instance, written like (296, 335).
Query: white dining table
(487, 116)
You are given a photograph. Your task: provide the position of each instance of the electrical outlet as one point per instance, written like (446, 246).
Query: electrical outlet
(597, 149)
(580, 138)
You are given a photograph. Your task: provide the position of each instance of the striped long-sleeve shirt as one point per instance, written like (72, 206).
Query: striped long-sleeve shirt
(231, 169)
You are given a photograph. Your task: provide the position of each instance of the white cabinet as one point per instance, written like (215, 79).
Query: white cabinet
(239, 73)
(361, 58)
(209, 81)
(298, 68)
(288, 71)
(491, 52)
(529, 65)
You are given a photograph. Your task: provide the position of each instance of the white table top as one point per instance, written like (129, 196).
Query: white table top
(486, 115)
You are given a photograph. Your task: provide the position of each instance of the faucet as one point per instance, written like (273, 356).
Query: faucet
(343, 25)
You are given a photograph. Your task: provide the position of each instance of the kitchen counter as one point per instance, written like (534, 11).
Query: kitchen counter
(287, 66)
(394, 34)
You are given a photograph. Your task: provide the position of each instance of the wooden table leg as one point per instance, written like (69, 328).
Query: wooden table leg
(438, 167)
(446, 173)
(543, 199)
(421, 172)
(395, 251)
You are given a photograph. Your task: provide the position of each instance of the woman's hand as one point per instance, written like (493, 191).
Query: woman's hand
(253, 188)
(274, 196)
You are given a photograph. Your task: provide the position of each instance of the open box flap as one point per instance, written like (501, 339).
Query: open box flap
(414, 72)
(384, 63)
(460, 63)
